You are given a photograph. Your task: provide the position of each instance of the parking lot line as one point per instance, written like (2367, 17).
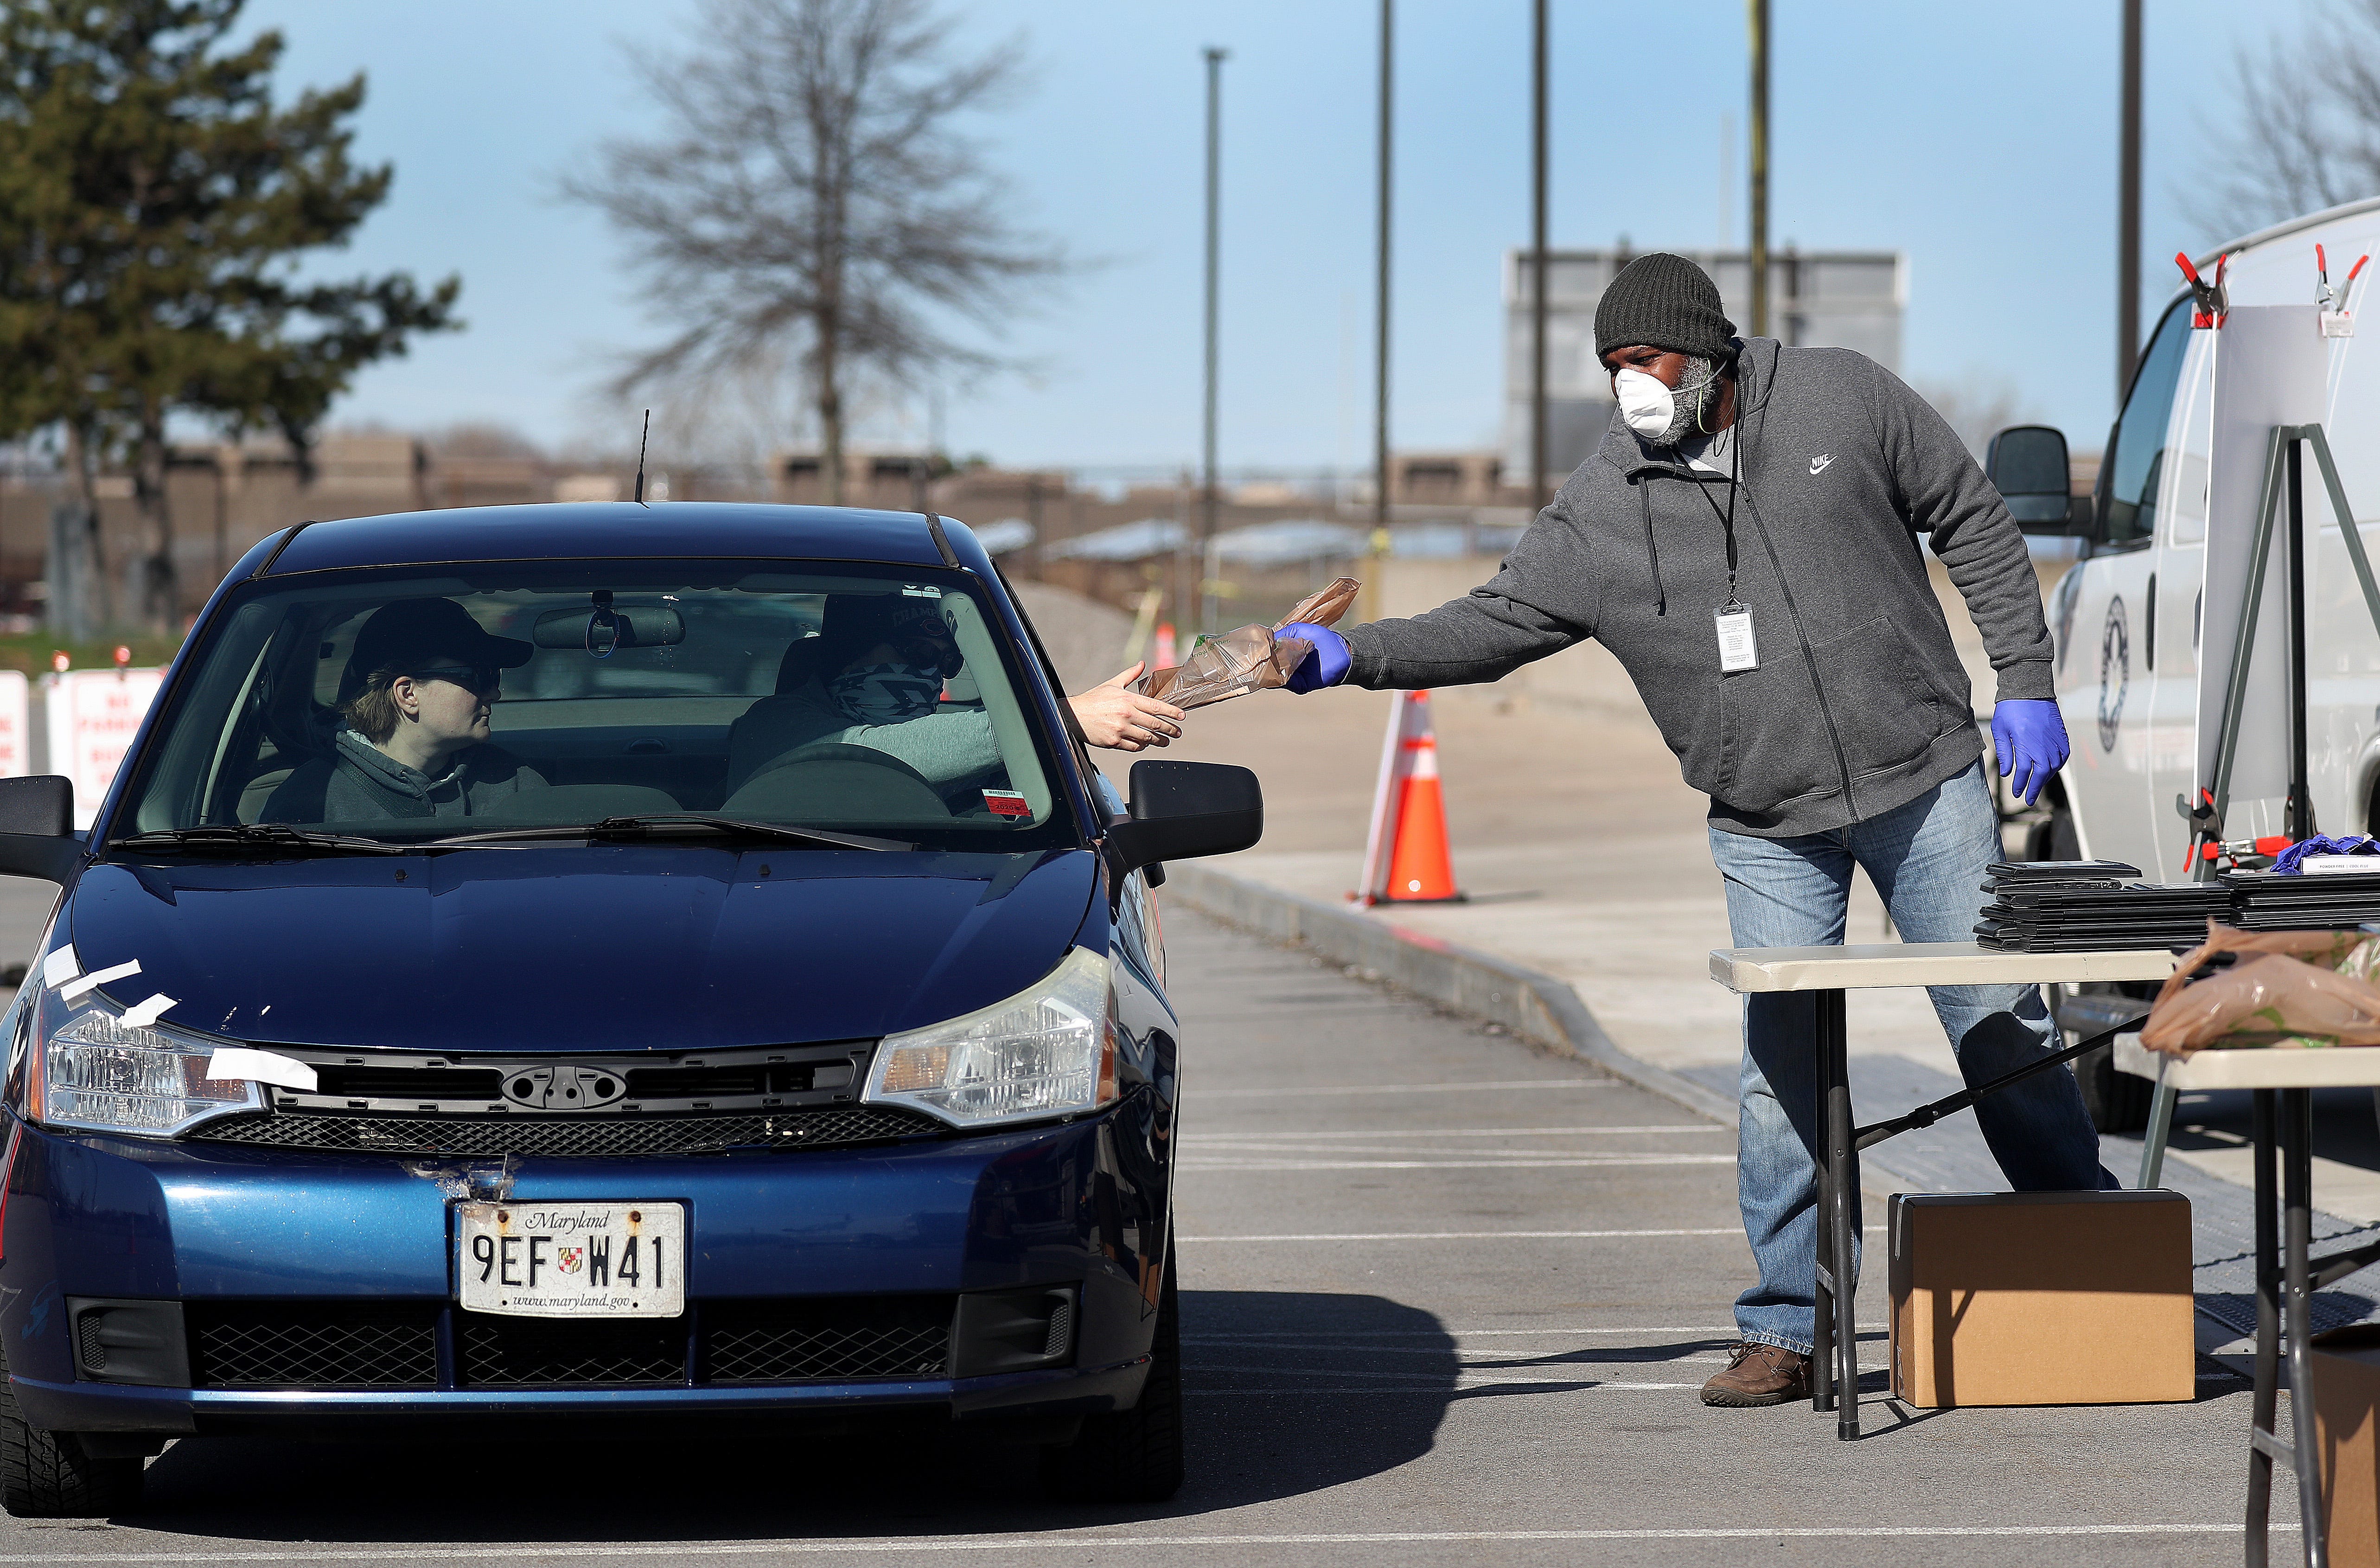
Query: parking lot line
(1404, 1088)
(1475, 1236)
(1305, 1138)
(1040, 1540)
(1457, 1335)
(1513, 1164)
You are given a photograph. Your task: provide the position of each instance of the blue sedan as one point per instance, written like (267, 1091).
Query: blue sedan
(599, 962)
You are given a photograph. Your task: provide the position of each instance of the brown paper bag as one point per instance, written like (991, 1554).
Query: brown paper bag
(2300, 988)
(1247, 658)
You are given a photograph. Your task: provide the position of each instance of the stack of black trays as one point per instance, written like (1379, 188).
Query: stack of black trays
(2093, 906)
(2268, 902)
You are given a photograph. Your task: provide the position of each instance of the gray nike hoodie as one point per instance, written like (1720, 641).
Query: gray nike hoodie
(1859, 703)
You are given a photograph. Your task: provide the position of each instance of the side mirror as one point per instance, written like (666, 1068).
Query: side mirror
(37, 828)
(2027, 465)
(1183, 809)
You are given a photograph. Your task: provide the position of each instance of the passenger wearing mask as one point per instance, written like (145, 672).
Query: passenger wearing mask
(414, 739)
(874, 676)
(1744, 541)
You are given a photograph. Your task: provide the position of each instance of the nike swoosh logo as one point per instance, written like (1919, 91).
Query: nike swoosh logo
(1818, 465)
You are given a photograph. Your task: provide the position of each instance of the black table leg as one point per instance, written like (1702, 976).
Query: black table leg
(2266, 1398)
(2297, 1237)
(1822, 1327)
(1842, 1160)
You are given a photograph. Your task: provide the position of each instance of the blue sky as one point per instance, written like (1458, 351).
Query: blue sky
(1979, 138)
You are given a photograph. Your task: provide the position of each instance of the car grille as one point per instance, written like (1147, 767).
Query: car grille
(772, 1341)
(313, 1343)
(563, 1351)
(394, 1344)
(589, 1136)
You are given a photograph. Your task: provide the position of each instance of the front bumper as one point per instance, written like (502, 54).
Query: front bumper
(1081, 1204)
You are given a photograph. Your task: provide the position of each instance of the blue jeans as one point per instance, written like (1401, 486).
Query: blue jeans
(1927, 859)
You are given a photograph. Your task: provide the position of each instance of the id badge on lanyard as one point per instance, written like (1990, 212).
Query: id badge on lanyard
(1737, 649)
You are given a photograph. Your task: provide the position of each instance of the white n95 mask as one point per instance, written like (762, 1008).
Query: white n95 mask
(1653, 411)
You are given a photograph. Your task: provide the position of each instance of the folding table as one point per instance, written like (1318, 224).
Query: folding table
(2283, 1082)
(1830, 972)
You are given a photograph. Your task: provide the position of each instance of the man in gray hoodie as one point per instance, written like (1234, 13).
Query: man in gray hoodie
(1744, 541)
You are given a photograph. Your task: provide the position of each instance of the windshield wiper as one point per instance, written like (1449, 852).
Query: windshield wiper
(256, 835)
(648, 824)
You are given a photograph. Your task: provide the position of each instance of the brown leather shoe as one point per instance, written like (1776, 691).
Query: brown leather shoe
(1759, 1374)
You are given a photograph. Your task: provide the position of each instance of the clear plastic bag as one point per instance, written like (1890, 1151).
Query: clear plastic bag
(2289, 988)
(1247, 658)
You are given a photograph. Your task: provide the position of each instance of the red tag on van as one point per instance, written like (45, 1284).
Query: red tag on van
(1006, 803)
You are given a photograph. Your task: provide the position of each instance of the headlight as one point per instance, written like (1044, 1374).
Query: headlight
(96, 1072)
(1042, 1052)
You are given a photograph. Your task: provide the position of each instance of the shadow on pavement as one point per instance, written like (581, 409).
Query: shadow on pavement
(1288, 1393)
(2346, 1122)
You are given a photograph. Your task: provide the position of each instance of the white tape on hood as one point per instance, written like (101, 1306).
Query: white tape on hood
(74, 988)
(60, 967)
(147, 1013)
(260, 1066)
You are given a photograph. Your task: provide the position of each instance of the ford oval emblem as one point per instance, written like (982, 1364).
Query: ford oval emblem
(564, 1087)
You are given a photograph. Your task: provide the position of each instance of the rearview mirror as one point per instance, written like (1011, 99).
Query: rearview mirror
(1183, 809)
(37, 828)
(2027, 465)
(601, 629)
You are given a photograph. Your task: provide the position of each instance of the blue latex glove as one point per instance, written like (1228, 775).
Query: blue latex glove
(1326, 665)
(2029, 737)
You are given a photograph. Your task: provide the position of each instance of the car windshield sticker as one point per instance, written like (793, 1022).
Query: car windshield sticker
(1006, 803)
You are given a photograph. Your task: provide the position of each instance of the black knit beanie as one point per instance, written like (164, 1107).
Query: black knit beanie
(1665, 301)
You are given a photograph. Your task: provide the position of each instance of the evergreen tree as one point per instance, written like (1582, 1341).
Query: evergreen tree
(154, 204)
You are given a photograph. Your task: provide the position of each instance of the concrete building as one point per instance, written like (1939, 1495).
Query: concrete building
(1840, 299)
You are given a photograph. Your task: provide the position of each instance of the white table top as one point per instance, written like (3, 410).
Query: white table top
(1867, 966)
(2346, 1066)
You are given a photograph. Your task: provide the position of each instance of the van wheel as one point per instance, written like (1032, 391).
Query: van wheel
(2118, 1102)
(47, 1475)
(1134, 1455)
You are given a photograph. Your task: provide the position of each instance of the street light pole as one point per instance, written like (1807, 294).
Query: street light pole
(1540, 436)
(1380, 321)
(1759, 256)
(2128, 209)
(1206, 489)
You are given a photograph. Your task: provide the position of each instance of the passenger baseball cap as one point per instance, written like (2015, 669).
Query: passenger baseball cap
(420, 631)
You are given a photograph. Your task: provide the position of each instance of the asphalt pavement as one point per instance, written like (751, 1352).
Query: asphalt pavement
(1445, 1300)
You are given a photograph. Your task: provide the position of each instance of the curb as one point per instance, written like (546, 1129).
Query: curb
(1530, 1004)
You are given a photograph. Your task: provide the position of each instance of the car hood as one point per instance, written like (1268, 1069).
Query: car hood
(579, 948)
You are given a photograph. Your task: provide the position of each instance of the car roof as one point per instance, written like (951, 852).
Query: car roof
(619, 529)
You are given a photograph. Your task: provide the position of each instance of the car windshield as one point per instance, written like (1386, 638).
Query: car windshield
(408, 705)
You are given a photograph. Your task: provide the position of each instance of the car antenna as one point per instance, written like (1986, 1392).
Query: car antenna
(641, 457)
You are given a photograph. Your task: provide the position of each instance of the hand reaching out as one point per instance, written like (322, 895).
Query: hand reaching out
(1122, 719)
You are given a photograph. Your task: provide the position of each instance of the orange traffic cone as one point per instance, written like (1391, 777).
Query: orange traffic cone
(1407, 860)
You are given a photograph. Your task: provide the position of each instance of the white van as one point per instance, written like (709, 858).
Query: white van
(2130, 617)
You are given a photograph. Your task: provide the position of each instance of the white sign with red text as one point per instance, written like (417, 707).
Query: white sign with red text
(93, 714)
(15, 725)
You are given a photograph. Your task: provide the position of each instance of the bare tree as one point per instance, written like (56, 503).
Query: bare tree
(813, 194)
(2305, 132)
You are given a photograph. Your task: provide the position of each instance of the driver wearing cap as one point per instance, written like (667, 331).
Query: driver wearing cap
(415, 739)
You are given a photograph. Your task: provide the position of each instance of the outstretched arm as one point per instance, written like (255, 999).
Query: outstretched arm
(1116, 716)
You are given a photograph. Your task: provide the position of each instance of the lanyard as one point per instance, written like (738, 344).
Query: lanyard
(1727, 519)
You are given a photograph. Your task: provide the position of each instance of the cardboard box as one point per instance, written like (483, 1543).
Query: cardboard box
(2041, 1298)
(2347, 1428)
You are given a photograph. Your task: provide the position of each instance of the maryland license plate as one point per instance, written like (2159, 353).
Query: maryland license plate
(573, 1259)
